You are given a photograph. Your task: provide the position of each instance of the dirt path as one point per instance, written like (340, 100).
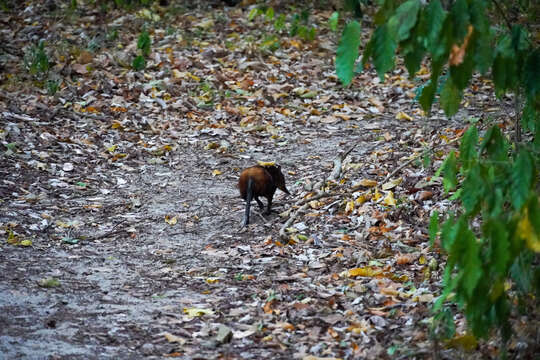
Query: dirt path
(119, 213)
(127, 285)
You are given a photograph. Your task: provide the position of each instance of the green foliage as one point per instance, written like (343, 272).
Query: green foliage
(493, 240)
(500, 191)
(355, 7)
(298, 24)
(269, 14)
(347, 52)
(450, 97)
(36, 60)
(403, 20)
(279, 23)
(384, 48)
(144, 42)
(333, 21)
(112, 35)
(131, 3)
(4, 5)
(433, 227)
(254, 13)
(52, 86)
(139, 63)
(459, 39)
(270, 42)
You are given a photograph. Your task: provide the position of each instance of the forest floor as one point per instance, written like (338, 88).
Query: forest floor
(119, 212)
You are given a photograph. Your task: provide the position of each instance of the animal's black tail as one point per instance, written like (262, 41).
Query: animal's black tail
(249, 197)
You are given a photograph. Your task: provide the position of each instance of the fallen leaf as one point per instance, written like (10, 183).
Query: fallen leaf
(174, 339)
(389, 199)
(26, 243)
(404, 259)
(391, 184)
(171, 220)
(268, 307)
(402, 116)
(197, 312)
(366, 183)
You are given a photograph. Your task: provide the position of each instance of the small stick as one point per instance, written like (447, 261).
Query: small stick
(399, 168)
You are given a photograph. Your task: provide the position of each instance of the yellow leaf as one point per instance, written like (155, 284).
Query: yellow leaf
(392, 184)
(364, 271)
(367, 183)
(402, 116)
(26, 243)
(196, 312)
(171, 220)
(377, 195)
(361, 199)
(212, 280)
(112, 149)
(193, 77)
(12, 238)
(297, 44)
(526, 231)
(423, 71)
(389, 199)
(266, 163)
(349, 207)
(216, 172)
(177, 74)
(211, 145)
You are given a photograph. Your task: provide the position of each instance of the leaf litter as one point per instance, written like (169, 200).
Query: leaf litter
(120, 215)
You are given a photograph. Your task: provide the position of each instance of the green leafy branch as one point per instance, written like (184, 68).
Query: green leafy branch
(494, 239)
(143, 44)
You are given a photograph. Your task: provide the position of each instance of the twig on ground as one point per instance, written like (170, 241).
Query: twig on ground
(335, 174)
(431, 149)
(108, 233)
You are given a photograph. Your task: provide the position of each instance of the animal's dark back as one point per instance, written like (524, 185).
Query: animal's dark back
(263, 182)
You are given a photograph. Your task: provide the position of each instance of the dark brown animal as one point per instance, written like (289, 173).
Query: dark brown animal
(258, 181)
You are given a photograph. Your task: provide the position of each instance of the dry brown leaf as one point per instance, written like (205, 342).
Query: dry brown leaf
(457, 54)
(404, 259)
